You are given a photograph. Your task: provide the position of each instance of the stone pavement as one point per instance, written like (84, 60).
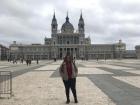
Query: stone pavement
(111, 82)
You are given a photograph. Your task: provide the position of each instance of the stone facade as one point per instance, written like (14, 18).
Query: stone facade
(137, 48)
(68, 41)
(130, 54)
(4, 52)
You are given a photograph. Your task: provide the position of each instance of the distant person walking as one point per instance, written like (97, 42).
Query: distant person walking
(97, 58)
(21, 60)
(14, 61)
(68, 72)
(37, 61)
(54, 59)
(29, 62)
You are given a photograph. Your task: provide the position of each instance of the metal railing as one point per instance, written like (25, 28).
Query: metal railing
(5, 84)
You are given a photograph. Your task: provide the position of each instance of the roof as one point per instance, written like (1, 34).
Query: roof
(67, 26)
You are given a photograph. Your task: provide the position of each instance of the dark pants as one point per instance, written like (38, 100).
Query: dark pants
(70, 84)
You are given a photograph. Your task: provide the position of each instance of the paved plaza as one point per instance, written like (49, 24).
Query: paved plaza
(111, 82)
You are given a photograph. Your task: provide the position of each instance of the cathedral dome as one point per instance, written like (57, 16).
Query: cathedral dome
(67, 27)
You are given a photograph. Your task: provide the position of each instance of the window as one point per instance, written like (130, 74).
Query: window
(81, 26)
(53, 26)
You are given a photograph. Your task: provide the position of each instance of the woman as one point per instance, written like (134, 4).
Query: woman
(68, 72)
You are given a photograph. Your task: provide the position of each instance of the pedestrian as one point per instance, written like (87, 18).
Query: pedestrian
(22, 60)
(27, 62)
(13, 61)
(37, 61)
(68, 72)
(16, 61)
(97, 58)
(8, 59)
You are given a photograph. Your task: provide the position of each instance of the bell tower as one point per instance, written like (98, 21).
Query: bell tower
(81, 25)
(54, 26)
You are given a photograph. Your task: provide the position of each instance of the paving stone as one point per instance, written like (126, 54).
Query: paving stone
(98, 83)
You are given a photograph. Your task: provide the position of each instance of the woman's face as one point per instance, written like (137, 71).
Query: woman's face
(68, 58)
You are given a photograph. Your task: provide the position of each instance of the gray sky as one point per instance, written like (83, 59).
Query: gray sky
(106, 21)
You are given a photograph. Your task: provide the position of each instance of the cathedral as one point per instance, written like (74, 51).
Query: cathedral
(67, 40)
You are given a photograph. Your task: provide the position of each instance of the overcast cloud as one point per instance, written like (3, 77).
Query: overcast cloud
(106, 21)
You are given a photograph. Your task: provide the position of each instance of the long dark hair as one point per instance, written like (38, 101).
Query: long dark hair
(68, 55)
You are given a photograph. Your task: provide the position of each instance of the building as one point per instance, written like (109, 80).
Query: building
(130, 54)
(137, 48)
(67, 40)
(33, 51)
(4, 52)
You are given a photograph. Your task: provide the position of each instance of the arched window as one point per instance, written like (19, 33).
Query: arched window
(81, 26)
(53, 26)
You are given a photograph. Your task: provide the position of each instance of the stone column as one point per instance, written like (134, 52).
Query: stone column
(72, 40)
(62, 40)
(63, 53)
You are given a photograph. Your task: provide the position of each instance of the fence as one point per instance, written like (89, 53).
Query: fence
(5, 84)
